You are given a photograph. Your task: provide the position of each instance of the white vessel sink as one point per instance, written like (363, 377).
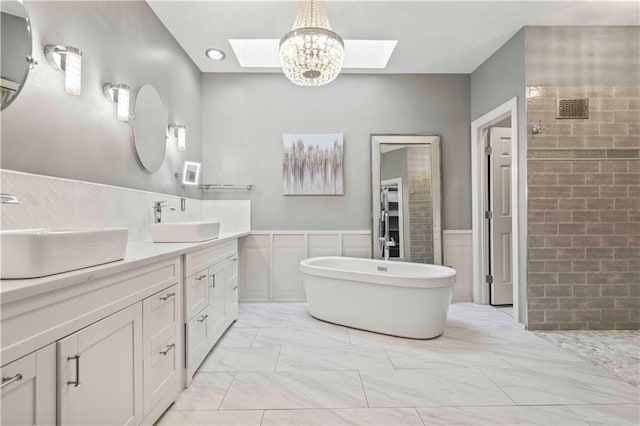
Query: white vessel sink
(31, 253)
(184, 232)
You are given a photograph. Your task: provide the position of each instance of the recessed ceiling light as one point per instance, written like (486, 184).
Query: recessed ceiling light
(215, 54)
(362, 54)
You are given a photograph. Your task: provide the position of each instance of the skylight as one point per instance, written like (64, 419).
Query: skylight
(263, 53)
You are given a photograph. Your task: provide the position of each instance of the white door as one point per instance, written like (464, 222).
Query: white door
(100, 372)
(29, 389)
(500, 218)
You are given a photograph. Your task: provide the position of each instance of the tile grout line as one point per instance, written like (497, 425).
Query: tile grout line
(419, 416)
(227, 391)
(497, 386)
(364, 392)
(262, 417)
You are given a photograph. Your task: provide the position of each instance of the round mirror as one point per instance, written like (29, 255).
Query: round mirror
(149, 128)
(15, 54)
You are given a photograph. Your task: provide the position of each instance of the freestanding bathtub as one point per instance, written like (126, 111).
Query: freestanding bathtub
(397, 298)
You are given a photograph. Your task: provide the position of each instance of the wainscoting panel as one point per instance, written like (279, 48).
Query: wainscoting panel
(458, 255)
(288, 251)
(254, 271)
(270, 260)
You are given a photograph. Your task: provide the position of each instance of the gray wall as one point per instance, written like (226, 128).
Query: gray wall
(245, 116)
(46, 131)
(582, 55)
(498, 79)
(15, 46)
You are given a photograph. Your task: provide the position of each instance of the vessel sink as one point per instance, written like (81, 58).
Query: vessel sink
(184, 232)
(31, 253)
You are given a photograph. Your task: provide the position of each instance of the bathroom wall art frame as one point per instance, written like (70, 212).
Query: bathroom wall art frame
(313, 164)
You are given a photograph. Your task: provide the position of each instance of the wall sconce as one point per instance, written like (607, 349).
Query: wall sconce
(118, 93)
(179, 132)
(71, 65)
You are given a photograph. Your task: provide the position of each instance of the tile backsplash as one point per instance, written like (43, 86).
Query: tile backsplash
(63, 203)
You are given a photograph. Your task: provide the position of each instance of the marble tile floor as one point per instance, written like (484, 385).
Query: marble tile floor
(278, 366)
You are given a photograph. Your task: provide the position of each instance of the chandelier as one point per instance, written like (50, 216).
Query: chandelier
(311, 54)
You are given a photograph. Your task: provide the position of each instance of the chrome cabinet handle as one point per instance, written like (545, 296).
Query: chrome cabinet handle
(202, 318)
(167, 296)
(201, 277)
(234, 287)
(75, 383)
(235, 259)
(213, 281)
(8, 380)
(168, 348)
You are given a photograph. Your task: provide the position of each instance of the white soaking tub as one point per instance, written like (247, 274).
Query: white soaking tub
(397, 298)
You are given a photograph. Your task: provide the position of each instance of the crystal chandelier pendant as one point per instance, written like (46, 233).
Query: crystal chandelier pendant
(311, 54)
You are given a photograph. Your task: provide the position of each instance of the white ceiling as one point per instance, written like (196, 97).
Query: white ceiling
(433, 36)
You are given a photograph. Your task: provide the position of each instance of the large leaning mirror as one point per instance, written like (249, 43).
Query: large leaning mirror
(150, 128)
(15, 57)
(406, 192)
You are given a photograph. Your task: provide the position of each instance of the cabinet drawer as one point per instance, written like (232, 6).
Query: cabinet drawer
(160, 369)
(201, 259)
(197, 339)
(159, 313)
(197, 292)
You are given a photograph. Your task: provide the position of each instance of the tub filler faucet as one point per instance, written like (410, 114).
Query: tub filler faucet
(385, 245)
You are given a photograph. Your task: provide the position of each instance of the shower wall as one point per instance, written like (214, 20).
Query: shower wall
(583, 183)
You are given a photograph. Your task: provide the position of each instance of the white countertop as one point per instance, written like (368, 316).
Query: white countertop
(138, 254)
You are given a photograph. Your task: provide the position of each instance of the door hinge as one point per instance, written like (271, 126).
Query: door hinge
(489, 279)
(488, 214)
(487, 150)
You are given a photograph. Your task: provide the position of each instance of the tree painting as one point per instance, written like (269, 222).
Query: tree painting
(312, 164)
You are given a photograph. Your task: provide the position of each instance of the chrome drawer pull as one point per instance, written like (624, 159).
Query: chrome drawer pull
(234, 287)
(202, 318)
(169, 347)
(201, 277)
(8, 380)
(235, 259)
(76, 383)
(213, 281)
(167, 296)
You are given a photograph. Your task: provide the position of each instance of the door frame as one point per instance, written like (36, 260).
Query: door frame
(479, 134)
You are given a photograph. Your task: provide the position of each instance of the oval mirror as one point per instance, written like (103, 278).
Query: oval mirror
(15, 54)
(149, 128)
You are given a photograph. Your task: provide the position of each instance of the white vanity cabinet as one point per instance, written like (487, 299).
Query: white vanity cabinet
(29, 389)
(209, 311)
(100, 372)
(106, 350)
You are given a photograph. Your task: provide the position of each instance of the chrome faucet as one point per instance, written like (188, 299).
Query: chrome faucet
(157, 210)
(385, 245)
(8, 199)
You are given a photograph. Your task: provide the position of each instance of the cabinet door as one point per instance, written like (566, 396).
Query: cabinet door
(217, 284)
(100, 372)
(29, 389)
(231, 299)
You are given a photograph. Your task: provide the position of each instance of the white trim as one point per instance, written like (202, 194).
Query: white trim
(456, 231)
(480, 289)
(307, 231)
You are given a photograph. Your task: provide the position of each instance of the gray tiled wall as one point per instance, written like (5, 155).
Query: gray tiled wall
(584, 210)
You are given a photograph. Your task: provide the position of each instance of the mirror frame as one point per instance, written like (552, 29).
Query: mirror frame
(28, 57)
(433, 140)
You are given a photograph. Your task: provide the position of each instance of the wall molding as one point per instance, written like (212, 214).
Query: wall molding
(269, 260)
